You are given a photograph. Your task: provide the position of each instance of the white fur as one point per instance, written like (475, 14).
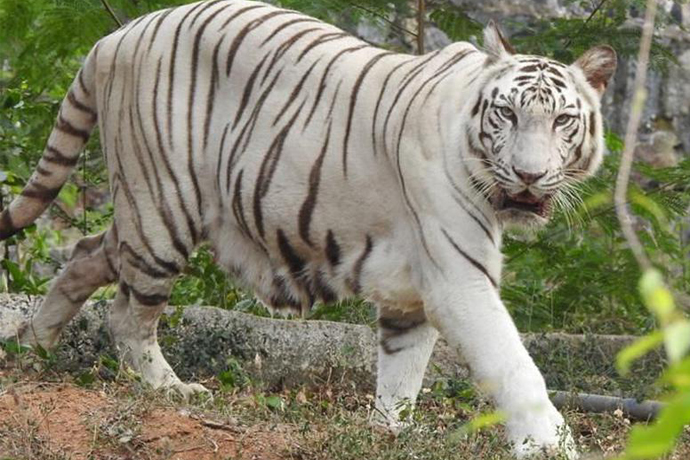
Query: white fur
(412, 233)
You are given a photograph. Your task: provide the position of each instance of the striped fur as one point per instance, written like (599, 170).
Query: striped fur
(320, 167)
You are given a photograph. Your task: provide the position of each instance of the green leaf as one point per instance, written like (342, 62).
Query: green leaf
(677, 339)
(656, 295)
(275, 402)
(642, 200)
(482, 421)
(678, 375)
(653, 441)
(638, 349)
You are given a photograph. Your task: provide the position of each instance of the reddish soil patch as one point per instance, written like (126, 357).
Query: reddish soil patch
(60, 421)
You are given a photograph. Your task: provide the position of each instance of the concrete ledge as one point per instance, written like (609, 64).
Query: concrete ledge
(202, 341)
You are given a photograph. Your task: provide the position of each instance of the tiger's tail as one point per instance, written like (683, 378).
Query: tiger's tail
(75, 121)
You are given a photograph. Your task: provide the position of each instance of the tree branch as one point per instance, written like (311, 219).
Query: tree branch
(110, 11)
(584, 402)
(636, 109)
(589, 18)
(421, 19)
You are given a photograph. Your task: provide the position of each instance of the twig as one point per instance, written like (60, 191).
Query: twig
(645, 410)
(384, 19)
(637, 106)
(421, 18)
(111, 12)
(584, 25)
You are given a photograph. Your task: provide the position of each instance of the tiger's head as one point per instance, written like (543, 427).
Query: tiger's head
(536, 128)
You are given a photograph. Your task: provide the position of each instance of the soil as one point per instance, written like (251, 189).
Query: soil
(63, 421)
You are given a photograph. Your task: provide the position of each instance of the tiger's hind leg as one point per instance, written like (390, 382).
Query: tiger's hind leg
(406, 341)
(133, 322)
(92, 264)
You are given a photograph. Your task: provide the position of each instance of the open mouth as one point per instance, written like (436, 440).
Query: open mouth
(523, 201)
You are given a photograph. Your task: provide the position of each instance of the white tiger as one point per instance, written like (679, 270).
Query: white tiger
(320, 167)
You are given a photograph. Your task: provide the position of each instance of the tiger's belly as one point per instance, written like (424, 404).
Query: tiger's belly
(291, 276)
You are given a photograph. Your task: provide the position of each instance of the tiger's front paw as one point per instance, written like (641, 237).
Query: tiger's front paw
(187, 390)
(542, 435)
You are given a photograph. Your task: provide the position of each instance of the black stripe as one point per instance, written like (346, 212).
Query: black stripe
(322, 290)
(354, 282)
(407, 79)
(192, 92)
(353, 100)
(322, 84)
(132, 202)
(149, 300)
(166, 161)
(79, 105)
(171, 71)
(248, 87)
(166, 211)
(82, 84)
(138, 262)
(295, 92)
(282, 296)
(164, 14)
(294, 262)
(277, 30)
(398, 326)
(247, 130)
(242, 34)
(211, 97)
(484, 228)
(470, 259)
(238, 207)
(378, 103)
(325, 38)
(220, 156)
(283, 48)
(268, 168)
(53, 155)
(240, 13)
(41, 192)
(67, 128)
(332, 249)
(439, 72)
(7, 227)
(42, 171)
(206, 7)
(307, 209)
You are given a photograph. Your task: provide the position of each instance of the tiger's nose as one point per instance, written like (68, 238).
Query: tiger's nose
(527, 177)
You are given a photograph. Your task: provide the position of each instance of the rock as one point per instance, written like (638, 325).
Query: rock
(205, 341)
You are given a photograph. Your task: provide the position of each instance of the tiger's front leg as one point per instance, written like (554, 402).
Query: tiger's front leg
(406, 340)
(472, 318)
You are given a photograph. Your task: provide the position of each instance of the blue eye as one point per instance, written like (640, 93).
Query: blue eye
(507, 113)
(562, 119)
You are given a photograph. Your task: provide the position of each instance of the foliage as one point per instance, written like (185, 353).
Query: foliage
(660, 438)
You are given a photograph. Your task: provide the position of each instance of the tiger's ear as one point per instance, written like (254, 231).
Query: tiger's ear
(598, 64)
(495, 44)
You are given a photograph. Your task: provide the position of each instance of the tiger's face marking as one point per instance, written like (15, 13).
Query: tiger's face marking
(537, 131)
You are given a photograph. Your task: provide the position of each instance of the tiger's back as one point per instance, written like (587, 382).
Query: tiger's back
(262, 130)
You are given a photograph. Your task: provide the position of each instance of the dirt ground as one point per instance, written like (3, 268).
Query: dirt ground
(47, 414)
(59, 420)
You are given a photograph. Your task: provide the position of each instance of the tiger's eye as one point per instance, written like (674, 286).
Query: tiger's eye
(507, 113)
(562, 119)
